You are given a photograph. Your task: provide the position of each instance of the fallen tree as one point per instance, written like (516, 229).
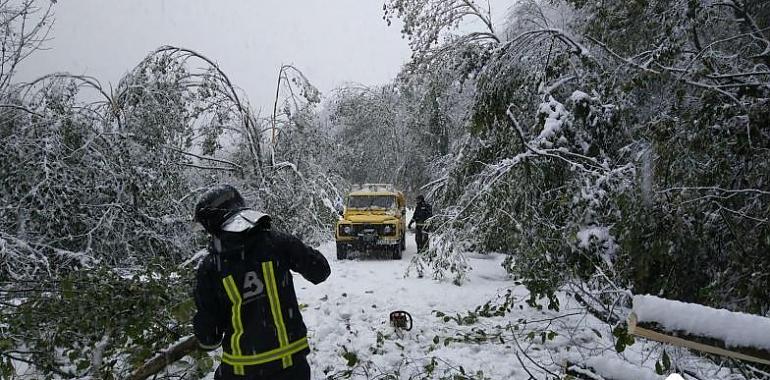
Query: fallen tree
(715, 331)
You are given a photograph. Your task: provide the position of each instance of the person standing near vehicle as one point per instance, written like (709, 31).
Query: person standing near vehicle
(244, 291)
(422, 212)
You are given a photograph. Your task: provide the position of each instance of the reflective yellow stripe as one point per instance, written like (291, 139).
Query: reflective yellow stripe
(275, 309)
(265, 357)
(235, 339)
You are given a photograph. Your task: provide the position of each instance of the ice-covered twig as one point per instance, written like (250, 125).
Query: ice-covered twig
(717, 189)
(576, 47)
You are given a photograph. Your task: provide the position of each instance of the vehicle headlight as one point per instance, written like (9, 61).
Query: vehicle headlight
(387, 230)
(347, 230)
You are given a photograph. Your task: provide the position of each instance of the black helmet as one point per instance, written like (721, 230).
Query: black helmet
(420, 198)
(216, 205)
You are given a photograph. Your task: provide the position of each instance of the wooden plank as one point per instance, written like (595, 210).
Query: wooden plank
(635, 329)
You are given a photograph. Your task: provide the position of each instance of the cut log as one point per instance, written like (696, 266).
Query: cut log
(179, 350)
(580, 372)
(720, 332)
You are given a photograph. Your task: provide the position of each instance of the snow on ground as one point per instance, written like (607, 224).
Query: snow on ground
(352, 307)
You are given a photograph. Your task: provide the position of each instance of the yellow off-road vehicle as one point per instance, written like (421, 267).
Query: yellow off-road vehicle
(373, 220)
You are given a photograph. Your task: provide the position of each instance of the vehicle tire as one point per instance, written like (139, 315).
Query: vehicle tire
(396, 252)
(342, 252)
(402, 245)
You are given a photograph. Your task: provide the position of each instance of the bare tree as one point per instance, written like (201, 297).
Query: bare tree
(24, 28)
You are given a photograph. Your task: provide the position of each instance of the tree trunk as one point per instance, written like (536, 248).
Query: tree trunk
(656, 332)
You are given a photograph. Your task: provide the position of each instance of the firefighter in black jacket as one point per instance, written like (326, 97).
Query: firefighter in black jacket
(422, 212)
(245, 293)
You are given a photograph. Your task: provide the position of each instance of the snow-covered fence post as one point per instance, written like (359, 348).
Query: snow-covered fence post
(717, 331)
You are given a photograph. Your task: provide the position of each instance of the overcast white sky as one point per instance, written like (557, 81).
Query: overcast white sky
(331, 41)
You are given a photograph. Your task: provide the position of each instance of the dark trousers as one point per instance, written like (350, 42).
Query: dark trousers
(300, 370)
(421, 238)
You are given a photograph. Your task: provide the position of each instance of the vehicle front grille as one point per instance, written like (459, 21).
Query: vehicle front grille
(377, 228)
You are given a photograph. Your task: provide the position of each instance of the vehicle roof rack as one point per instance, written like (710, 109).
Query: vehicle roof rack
(374, 187)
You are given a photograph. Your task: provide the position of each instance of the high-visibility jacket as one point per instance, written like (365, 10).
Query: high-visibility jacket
(246, 301)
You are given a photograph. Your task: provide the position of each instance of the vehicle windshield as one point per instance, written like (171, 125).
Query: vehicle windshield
(372, 201)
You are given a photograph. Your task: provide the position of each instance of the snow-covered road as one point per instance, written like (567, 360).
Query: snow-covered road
(350, 310)
(374, 287)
